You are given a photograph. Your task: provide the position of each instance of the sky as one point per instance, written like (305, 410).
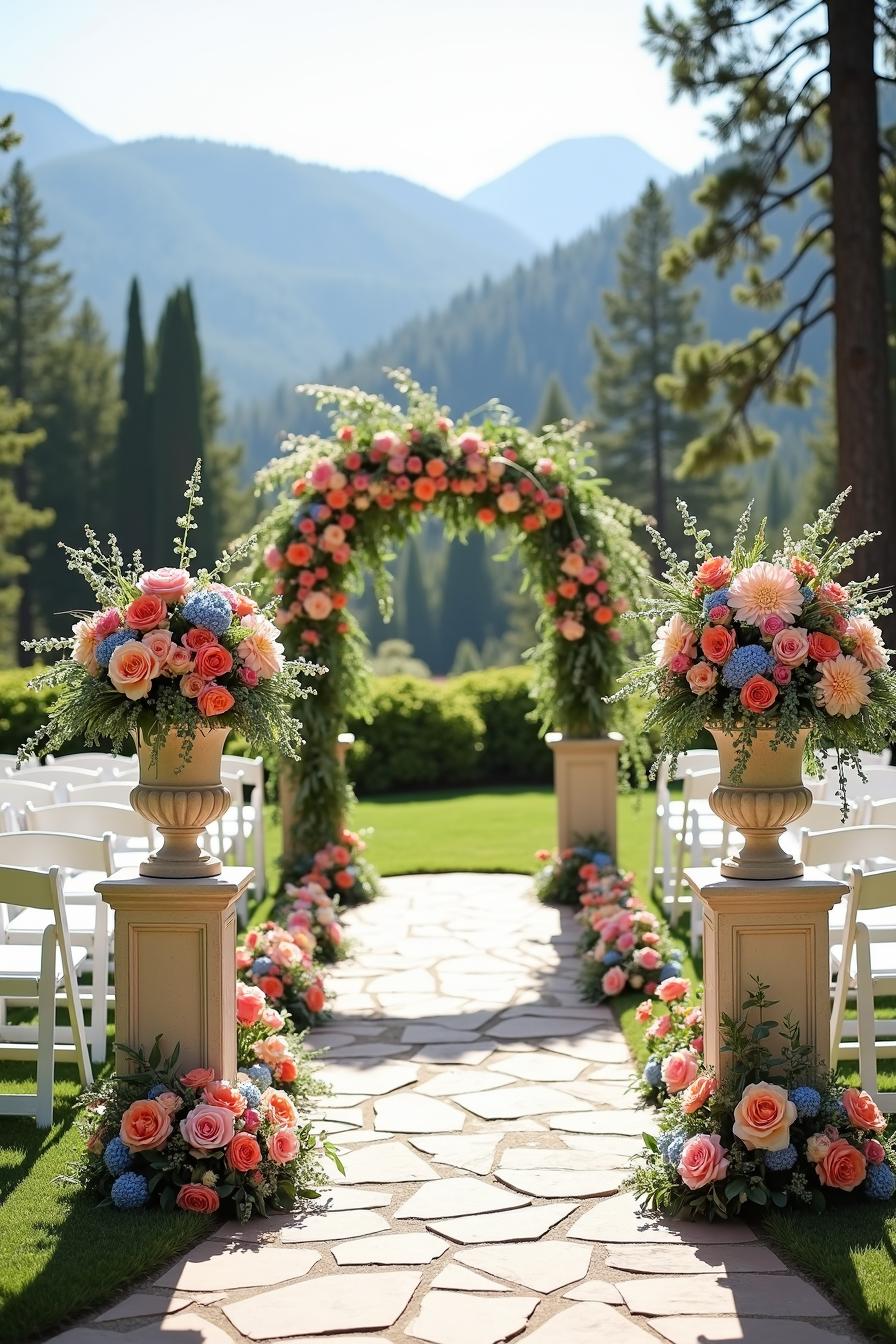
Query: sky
(448, 93)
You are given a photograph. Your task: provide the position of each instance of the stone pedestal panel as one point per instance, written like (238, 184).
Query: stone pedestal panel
(585, 786)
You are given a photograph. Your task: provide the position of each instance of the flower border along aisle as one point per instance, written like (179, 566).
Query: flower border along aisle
(352, 497)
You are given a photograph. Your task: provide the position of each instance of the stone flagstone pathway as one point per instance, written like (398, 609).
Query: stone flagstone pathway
(485, 1127)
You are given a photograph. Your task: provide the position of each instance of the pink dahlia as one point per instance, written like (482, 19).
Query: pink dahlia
(765, 590)
(843, 686)
(674, 638)
(868, 643)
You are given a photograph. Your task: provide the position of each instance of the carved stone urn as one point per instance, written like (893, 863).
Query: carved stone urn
(181, 799)
(769, 796)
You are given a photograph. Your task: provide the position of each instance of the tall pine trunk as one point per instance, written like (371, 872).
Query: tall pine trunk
(864, 425)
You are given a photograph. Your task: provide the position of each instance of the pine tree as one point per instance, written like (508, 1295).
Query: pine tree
(790, 82)
(229, 507)
(16, 516)
(177, 420)
(468, 600)
(34, 294)
(132, 485)
(414, 617)
(640, 437)
(74, 473)
(555, 405)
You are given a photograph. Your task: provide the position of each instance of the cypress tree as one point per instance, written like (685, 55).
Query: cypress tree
(555, 405)
(132, 483)
(177, 421)
(16, 515)
(34, 294)
(468, 599)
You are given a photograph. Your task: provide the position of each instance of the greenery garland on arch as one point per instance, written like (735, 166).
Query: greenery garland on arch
(350, 498)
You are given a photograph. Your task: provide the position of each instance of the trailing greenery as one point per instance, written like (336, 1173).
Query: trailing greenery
(362, 490)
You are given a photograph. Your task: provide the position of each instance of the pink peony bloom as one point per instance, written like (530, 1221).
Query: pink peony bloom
(764, 590)
(703, 1160)
(168, 583)
(843, 687)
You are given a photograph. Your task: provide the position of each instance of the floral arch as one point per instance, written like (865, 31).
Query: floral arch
(346, 500)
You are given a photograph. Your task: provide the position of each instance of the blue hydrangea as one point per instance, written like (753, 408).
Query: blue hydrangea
(652, 1074)
(840, 1116)
(262, 966)
(808, 595)
(880, 1182)
(807, 1102)
(130, 1191)
(107, 646)
(744, 663)
(670, 969)
(716, 599)
(674, 1146)
(316, 510)
(612, 958)
(251, 1093)
(210, 610)
(601, 858)
(782, 1160)
(117, 1157)
(260, 1075)
(156, 1091)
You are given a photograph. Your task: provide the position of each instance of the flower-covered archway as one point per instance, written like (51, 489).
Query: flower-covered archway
(349, 498)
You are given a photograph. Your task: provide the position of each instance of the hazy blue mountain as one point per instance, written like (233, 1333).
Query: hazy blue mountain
(568, 187)
(292, 264)
(48, 132)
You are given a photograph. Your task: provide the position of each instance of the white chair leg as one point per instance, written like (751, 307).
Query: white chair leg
(98, 999)
(865, 1012)
(46, 1030)
(76, 1016)
(258, 842)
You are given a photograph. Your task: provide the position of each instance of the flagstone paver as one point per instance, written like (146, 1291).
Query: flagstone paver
(459, 1045)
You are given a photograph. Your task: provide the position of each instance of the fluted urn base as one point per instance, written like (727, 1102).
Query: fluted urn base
(769, 797)
(181, 800)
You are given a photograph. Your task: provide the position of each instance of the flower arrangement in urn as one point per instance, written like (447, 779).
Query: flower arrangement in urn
(778, 1131)
(169, 652)
(775, 656)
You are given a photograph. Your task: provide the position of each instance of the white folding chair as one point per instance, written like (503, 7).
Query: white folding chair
(667, 817)
(89, 921)
(822, 816)
(18, 793)
(134, 836)
(869, 895)
(38, 971)
(252, 768)
(57, 775)
(855, 785)
(703, 837)
(871, 981)
(106, 762)
(102, 791)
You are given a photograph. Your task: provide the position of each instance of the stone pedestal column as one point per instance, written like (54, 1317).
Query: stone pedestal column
(776, 930)
(175, 945)
(585, 786)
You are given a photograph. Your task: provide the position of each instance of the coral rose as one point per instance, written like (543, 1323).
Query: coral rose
(197, 638)
(213, 660)
(314, 999)
(145, 613)
(763, 1116)
(271, 1051)
(698, 1093)
(791, 647)
(701, 678)
(207, 1127)
(862, 1110)
(676, 987)
(283, 1146)
(197, 1078)
(713, 574)
(717, 643)
(167, 583)
(287, 1070)
(145, 1125)
(279, 1109)
(132, 669)
(679, 1070)
(243, 1153)
(251, 1004)
(842, 1167)
(758, 694)
(703, 1160)
(198, 1199)
(219, 1093)
(214, 700)
(823, 647)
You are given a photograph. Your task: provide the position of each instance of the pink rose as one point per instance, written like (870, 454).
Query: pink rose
(159, 643)
(680, 663)
(283, 1146)
(791, 647)
(132, 669)
(166, 583)
(862, 1110)
(817, 1147)
(207, 1127)
(703, 1160)
(772, 625)
(702, 678)
(273, 557)
(248, 676)
(197, 1078)
(105, 623)
(648, 959)
(614, 981)
(250, 1004)
(661, 1027)
(318, 606)
(721, 615)
(273, 1020)
(321, 473)
(874, 1151)
(781, 675)
(179, 660)
(625, 942)
(145, 1125)
(192, 685)
(679, 1070)
(698, 1093)
(676, 987)
(644, 1011)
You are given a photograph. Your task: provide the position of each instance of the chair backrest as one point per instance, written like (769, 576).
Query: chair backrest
(18, 792)
(881, 814)
(879, 784)
(827, 816)
(251, 766)
(9, 818)
(104, 761)
(871, 891)
(699, 784)
(102, 791)
(88, 818)
(847, 845)
(78, 853)
(31, 888)
(55, 774)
